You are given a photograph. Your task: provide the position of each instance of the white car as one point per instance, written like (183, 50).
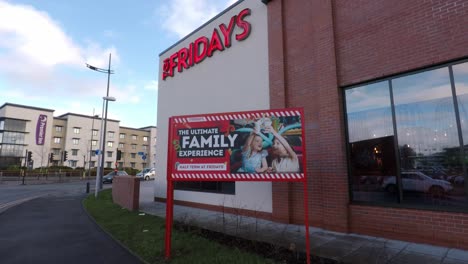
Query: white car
(151, 174)
(418, 182)
(142, 172)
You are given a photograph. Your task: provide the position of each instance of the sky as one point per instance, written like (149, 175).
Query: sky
(45, 45)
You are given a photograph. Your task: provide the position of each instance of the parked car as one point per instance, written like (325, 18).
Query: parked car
(142, 173)
(151, 174)
(110, 176)
(418, 182)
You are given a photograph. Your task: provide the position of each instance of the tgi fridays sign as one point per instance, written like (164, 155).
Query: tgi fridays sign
(41, 129)
(204, 47)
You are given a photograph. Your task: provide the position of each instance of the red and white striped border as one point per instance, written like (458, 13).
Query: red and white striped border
(222, 117)
(239, 176)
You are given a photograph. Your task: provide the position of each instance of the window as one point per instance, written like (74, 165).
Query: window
(110, 134)
(56, 152)
(93, 153)
(108, 164)
(74, 152)
(120, 165)
(57, 140)
(122, 135)
(145, 139)
(213, 187)
(132, 155)
(76, 141)
(13, 125)
(109, 154)
(145, 148)
(110, 144)
(134, 137)
(76, 130)
(58, 129)
(412, 119)
(95, 132)
(73, 163)
(132, 164)
(92, 164)
(370, 135)
(9, 137)
(121, 145)
(93, 142)
(134, 146)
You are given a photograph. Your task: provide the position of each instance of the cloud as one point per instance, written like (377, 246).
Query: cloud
(35, 52)
(151, 85)
(32, 35)
(180, 17)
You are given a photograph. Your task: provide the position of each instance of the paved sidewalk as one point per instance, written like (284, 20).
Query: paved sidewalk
(56, 229)
(343, 248)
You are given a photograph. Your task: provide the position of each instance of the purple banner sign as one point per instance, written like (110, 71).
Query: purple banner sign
(41, 129)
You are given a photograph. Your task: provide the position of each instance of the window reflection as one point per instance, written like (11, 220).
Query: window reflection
(370, 133)
(428, 140)
(460, 75)
(432, 160)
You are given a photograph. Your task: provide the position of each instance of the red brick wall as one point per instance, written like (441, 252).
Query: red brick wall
(440, 228)
(379, 37)
(317, 46)
(126, 192)
(303, 74)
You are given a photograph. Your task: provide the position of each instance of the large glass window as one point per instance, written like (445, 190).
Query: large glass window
(425, 163)
(427, 135)
(370, 134)
(460, 75)
(12, 138)
(15, 125)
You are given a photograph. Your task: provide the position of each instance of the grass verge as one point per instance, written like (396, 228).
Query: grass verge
(144, 235)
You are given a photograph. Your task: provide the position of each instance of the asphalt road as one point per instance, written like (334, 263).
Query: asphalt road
(54, 228)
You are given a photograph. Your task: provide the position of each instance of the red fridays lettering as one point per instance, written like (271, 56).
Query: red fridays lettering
(203, 47)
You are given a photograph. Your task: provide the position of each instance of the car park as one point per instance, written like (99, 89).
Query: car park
(108, 178)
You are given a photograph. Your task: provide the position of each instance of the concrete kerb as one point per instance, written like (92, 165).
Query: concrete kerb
(11, 204)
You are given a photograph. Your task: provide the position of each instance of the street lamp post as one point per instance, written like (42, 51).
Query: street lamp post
(106, 99)
(103, 122)
(91, 146)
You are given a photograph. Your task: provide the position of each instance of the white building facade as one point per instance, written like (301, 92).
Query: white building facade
(229, 73)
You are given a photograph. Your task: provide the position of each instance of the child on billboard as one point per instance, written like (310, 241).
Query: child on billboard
(284, 157)
(253, 154)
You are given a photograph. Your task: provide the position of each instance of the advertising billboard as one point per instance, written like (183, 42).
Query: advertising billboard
(265, 145)
(41, 129)
(255, 145)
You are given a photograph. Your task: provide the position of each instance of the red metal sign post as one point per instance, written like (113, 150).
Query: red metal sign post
(266, 145)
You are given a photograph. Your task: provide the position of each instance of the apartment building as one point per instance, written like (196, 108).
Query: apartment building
(69, 140)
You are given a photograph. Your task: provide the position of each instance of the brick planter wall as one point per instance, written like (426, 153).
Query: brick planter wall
(126, 192)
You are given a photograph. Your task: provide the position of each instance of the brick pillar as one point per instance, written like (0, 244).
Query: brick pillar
(303, 73)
